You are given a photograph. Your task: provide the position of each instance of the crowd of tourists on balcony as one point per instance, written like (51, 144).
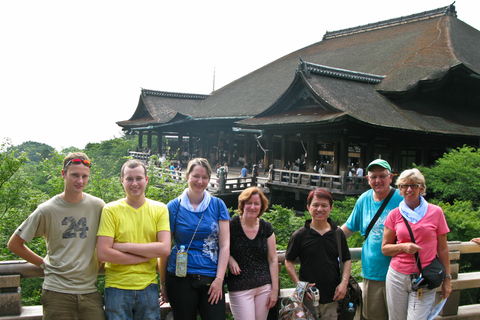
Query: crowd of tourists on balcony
(199, 248)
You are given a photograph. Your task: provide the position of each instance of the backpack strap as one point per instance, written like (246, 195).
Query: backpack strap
(300, 289)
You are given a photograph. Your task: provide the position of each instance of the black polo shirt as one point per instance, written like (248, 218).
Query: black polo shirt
(319, 262)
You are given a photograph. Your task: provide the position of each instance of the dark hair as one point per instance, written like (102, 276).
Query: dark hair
(247, 194)
(320, 193)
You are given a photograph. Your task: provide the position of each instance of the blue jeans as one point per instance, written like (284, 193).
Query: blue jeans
(123, 304)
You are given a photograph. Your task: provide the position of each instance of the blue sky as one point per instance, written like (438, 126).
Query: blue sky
(70, 70)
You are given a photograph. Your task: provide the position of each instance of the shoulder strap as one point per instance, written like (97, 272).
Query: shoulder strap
(339, 246)
(417, 257)
(379, 212)
(300, 290)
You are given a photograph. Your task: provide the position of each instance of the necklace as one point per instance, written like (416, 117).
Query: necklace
(249, 227)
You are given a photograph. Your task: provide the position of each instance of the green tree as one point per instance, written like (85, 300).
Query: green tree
(35, 151)
(455, 176)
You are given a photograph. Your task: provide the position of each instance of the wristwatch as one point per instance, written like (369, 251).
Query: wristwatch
(449, 276)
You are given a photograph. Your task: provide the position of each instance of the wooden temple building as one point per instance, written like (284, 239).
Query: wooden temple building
(404, 90)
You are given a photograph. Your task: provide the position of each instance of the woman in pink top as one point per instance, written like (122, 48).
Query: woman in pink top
(430, 229)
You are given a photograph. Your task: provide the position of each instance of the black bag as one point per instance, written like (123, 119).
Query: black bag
(347, 308)
(434, 273)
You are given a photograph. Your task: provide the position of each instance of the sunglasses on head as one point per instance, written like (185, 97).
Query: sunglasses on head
(78, 161)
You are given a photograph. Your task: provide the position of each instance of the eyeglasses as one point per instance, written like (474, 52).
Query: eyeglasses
(381, 177)
(406, 186)
(78, 161)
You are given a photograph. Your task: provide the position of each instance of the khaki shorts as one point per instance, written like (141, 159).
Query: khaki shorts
(58, 305)
(374, 300)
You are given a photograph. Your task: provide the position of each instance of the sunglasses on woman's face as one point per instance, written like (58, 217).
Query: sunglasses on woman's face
(406, 186)
(78, 161)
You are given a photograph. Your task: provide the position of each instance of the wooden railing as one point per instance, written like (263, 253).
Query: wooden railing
(12, 271)
(221, 185)
(340, 184)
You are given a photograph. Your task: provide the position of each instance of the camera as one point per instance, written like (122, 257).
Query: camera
(315, 295)
(418, 283)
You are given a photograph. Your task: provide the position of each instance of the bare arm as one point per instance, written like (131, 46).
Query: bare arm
(341, 289)
(348, 233)
(444, 256)
(160, 248)
(215, 291)
(17, 245)
(162, 268)
(292, 272)
(390, 248)
(107, 253)
(273, 264)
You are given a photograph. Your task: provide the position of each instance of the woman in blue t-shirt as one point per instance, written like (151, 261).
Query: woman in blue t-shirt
(200, 223)
(253, 264)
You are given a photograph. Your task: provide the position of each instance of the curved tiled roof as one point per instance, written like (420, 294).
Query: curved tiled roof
(395, 57)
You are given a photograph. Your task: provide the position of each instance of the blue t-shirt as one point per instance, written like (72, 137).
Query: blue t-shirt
(244, 172)
(374, 263)
(203, 252)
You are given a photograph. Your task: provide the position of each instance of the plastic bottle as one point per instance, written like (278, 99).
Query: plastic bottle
(350, 309)
(181, 265)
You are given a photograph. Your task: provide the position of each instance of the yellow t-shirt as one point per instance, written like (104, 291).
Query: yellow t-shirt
(123, 223)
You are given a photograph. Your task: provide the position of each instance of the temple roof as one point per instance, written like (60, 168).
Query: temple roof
(397, 55)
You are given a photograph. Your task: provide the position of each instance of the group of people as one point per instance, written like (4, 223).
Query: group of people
(130, 234)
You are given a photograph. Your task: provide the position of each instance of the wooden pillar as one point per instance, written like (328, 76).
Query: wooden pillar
(215, 147)
(268, 157)
(255, 149)
(180, 146)
(370, 153)
(341, 156)
(140, 140)
(203, 143)
(396, 156)
(149, 140)
(312, 150)
(159, 143)
(190, 143)
(231, 136)
(284, 151)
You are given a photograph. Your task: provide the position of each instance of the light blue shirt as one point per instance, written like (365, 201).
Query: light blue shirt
(374, 263)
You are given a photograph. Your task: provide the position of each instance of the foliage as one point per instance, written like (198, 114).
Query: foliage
(340, 213)
(108, 156)
(160, 186)
(455, 176)
(35, 151)
(284, 222)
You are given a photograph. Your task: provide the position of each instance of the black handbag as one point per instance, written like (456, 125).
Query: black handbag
(434, 273)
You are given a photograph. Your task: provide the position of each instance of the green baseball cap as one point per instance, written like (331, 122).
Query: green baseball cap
(379, 162)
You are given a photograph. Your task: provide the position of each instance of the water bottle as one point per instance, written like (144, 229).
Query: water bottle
(181, 266)
(350, 309)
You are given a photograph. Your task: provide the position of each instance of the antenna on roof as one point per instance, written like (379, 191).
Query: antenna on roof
(213, 79)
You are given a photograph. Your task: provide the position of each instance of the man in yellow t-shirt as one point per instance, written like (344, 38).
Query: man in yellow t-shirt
(133, 233)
